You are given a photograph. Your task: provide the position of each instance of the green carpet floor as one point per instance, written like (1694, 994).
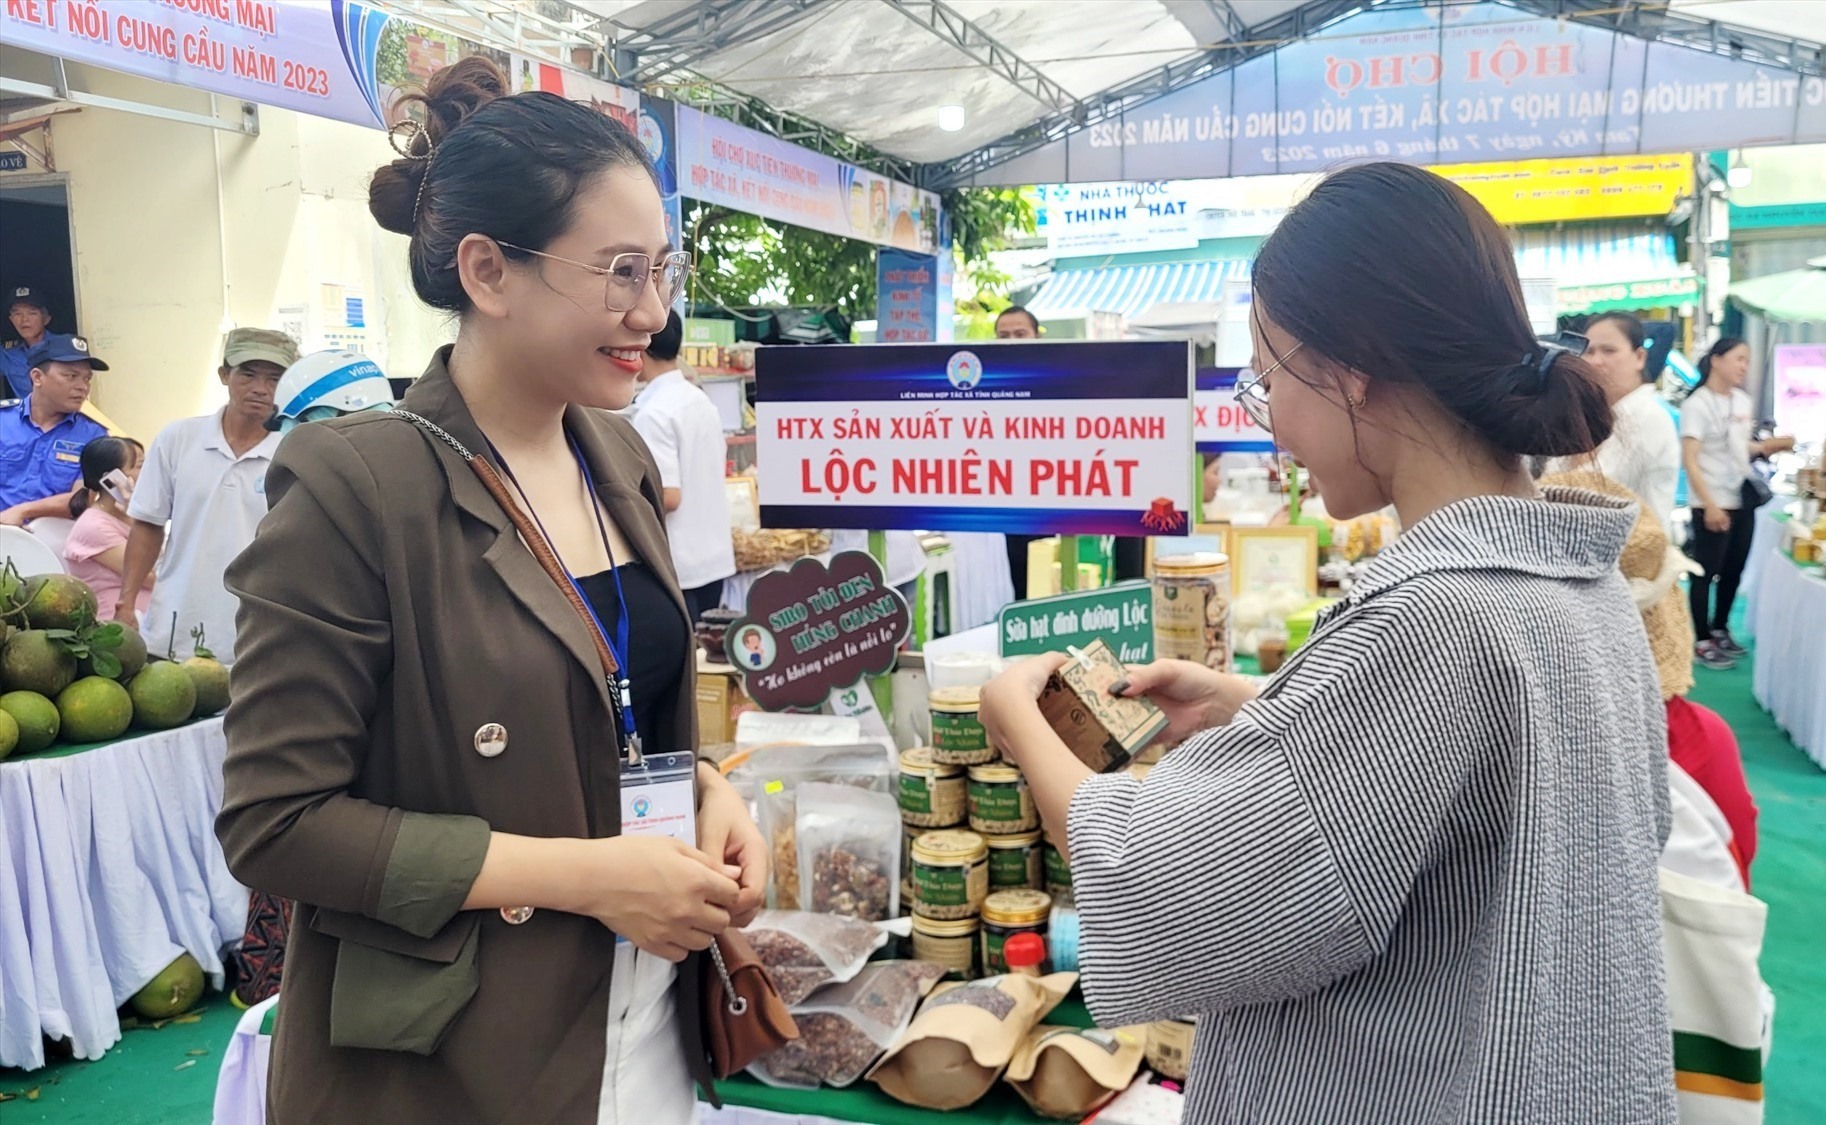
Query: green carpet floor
(144, 1079)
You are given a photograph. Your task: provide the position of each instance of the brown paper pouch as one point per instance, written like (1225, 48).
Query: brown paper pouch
(964, 1036)
(1066, 1072)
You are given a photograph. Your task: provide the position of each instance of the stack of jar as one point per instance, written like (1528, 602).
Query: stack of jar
(972, 888)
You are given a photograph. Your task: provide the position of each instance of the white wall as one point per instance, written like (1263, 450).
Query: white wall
(182, 231)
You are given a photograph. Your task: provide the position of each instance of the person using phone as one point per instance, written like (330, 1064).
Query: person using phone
(96, 551)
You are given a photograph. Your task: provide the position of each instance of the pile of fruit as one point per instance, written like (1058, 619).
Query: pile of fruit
(67, 678)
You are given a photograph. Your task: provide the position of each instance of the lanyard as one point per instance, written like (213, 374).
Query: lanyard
(622, 696)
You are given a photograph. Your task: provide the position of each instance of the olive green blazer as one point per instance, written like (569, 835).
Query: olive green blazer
(389, 613)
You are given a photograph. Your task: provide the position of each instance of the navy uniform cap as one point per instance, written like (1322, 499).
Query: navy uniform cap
(56, 348)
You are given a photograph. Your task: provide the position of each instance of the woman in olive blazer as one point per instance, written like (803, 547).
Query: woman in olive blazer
(422, 741)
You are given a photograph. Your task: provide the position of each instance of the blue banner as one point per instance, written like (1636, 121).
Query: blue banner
(1219, 422)
(906, 297)
(1448, 84)
(658, 131)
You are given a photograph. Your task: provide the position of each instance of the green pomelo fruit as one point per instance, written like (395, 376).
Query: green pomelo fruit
(58, 601)
(211, 679)
(94, 710)
(173, 992)
(163, 696)
(35, 716)
(32, 661)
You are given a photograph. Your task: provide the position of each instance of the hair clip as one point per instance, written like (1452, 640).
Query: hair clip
(411, 132)
(418, 198)
(1547, 354)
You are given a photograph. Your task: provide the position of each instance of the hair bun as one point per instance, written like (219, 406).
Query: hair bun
(452, 96)
(457, 91)
(393, 191)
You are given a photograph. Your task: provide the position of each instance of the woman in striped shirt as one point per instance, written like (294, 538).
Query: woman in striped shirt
(1413, 878)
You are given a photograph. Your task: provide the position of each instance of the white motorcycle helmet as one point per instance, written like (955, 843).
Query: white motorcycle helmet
(329, 384)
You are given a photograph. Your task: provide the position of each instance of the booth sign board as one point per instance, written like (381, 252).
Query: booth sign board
(1078, 438)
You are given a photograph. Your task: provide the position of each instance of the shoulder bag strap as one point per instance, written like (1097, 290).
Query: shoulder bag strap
(529, 532)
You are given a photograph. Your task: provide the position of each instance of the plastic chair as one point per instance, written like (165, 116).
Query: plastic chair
(53, 532)
(29, 554)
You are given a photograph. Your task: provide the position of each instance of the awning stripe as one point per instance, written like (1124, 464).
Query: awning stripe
(1572, 256)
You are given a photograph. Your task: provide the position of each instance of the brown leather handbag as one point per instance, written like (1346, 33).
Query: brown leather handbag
(744, 1017)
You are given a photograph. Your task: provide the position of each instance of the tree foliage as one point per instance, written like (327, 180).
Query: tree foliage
(746, 260)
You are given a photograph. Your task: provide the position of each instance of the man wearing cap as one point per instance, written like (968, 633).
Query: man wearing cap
(31, 318)
(42, 435)
(199, 499)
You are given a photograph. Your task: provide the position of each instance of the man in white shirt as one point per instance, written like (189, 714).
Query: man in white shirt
(682, 428)
(203, 488)
(1643, 451)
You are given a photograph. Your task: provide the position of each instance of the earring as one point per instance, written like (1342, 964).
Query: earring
(1357, 403)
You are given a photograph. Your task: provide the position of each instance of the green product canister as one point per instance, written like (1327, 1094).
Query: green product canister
(958, 738)
(1015, 862)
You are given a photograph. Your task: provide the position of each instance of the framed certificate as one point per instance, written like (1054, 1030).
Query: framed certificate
(1266, 558)
(744, 503)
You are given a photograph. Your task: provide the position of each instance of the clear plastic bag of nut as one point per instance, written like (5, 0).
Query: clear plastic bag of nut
(849, 851)
(843, 1029)
(777, 772)
(803, 951)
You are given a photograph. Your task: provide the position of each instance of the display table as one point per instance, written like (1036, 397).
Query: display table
(241, 1083)
(109, 870)
(1765, 544)
(241, 1089)
(1790, 675)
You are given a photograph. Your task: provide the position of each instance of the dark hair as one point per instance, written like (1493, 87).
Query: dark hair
(486, 162)
(99, 458)
(1724, 345)
(1628, 325)
(1020, 310)
(1403, 277)
(668, 340)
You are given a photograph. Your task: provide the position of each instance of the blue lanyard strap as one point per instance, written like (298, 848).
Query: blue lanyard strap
(621, 695)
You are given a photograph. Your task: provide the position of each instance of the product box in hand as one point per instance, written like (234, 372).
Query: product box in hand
(1103, 730)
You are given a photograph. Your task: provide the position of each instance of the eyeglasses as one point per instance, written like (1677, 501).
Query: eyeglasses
(627, 275)
(1252, 396)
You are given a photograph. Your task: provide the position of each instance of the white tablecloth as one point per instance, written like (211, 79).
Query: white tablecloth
(241, 1083)
(1790, 677)
(109, 869)
(1765, 545)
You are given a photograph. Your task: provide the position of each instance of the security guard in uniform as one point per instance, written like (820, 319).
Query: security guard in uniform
(42, 435)
(31, 318)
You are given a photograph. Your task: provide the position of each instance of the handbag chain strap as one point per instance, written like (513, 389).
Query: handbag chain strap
(736, 1003)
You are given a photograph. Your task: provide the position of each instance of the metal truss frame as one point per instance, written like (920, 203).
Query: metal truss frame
(648, 53)
(946, 23)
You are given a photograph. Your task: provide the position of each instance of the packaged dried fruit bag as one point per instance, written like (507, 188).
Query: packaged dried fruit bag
(844, 1028)
(964, 1037)
(777, 772)
(849, 851)
(804, 951)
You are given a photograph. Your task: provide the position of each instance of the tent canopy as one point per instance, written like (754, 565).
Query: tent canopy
(879, 70)
(1798, 295)
(1026, 73)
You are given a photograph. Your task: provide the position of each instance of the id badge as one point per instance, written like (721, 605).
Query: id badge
(658, 797)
